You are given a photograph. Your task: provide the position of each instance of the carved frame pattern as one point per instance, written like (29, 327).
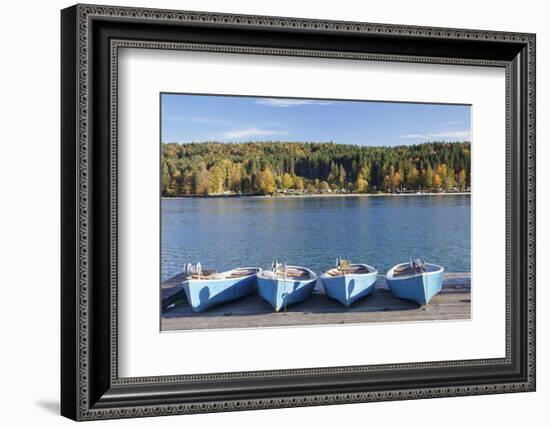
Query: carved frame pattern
(85, 13)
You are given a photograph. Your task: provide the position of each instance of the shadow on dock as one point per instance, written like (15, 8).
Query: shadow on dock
(452, 303)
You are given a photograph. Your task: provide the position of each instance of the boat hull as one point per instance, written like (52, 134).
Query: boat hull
(205, 294)
(419, 288)
(350, 288)
(280, 293)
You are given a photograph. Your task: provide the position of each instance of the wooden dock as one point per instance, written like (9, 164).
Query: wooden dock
(452, 303)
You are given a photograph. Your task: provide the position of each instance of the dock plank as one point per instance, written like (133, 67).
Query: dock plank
(452, 303)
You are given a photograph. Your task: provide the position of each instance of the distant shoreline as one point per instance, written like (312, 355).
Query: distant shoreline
(415, 194)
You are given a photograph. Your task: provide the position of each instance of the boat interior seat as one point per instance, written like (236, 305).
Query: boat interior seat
(240, 274)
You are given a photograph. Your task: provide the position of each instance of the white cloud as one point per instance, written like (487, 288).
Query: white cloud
(286, 103)
(251, 132)
(209, 120)
(455, 134)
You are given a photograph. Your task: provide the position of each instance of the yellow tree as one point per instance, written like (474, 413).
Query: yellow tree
(227, 167)
(436, 182)
(427, 178)
(235, 179)
(449, 181)
(462, 178)
(265, 182)
(286, 181)
(396, 180)
(317, 183)
(361, 183)
(216, 177)
(201, 180)
(187, 185)
(298, 183)
(342, 176)
(386, 184)
(442, 170)
(412, 178)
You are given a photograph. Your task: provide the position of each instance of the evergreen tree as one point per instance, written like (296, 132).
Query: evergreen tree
(212, 167)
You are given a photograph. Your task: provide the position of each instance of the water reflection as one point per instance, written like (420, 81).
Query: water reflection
(313, 231)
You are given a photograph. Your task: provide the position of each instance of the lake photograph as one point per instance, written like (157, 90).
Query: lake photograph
(283, 212)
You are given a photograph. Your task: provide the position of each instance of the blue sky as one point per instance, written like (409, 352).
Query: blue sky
(200, 118)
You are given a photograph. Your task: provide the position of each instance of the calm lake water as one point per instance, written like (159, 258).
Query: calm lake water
(225, 233)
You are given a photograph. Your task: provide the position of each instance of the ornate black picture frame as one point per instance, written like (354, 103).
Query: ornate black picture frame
(91, 36)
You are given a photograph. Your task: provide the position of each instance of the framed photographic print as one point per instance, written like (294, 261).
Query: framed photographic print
(349, 181)
(264, 212)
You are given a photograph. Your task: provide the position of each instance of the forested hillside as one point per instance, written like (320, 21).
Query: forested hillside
(267, 167)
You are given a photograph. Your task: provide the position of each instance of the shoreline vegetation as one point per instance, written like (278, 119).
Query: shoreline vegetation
(322, 195)
(294, 169)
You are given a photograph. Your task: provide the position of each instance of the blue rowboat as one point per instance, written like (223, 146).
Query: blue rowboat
(350, 282)
(417, 281)
(285, 285)
(204, 291)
